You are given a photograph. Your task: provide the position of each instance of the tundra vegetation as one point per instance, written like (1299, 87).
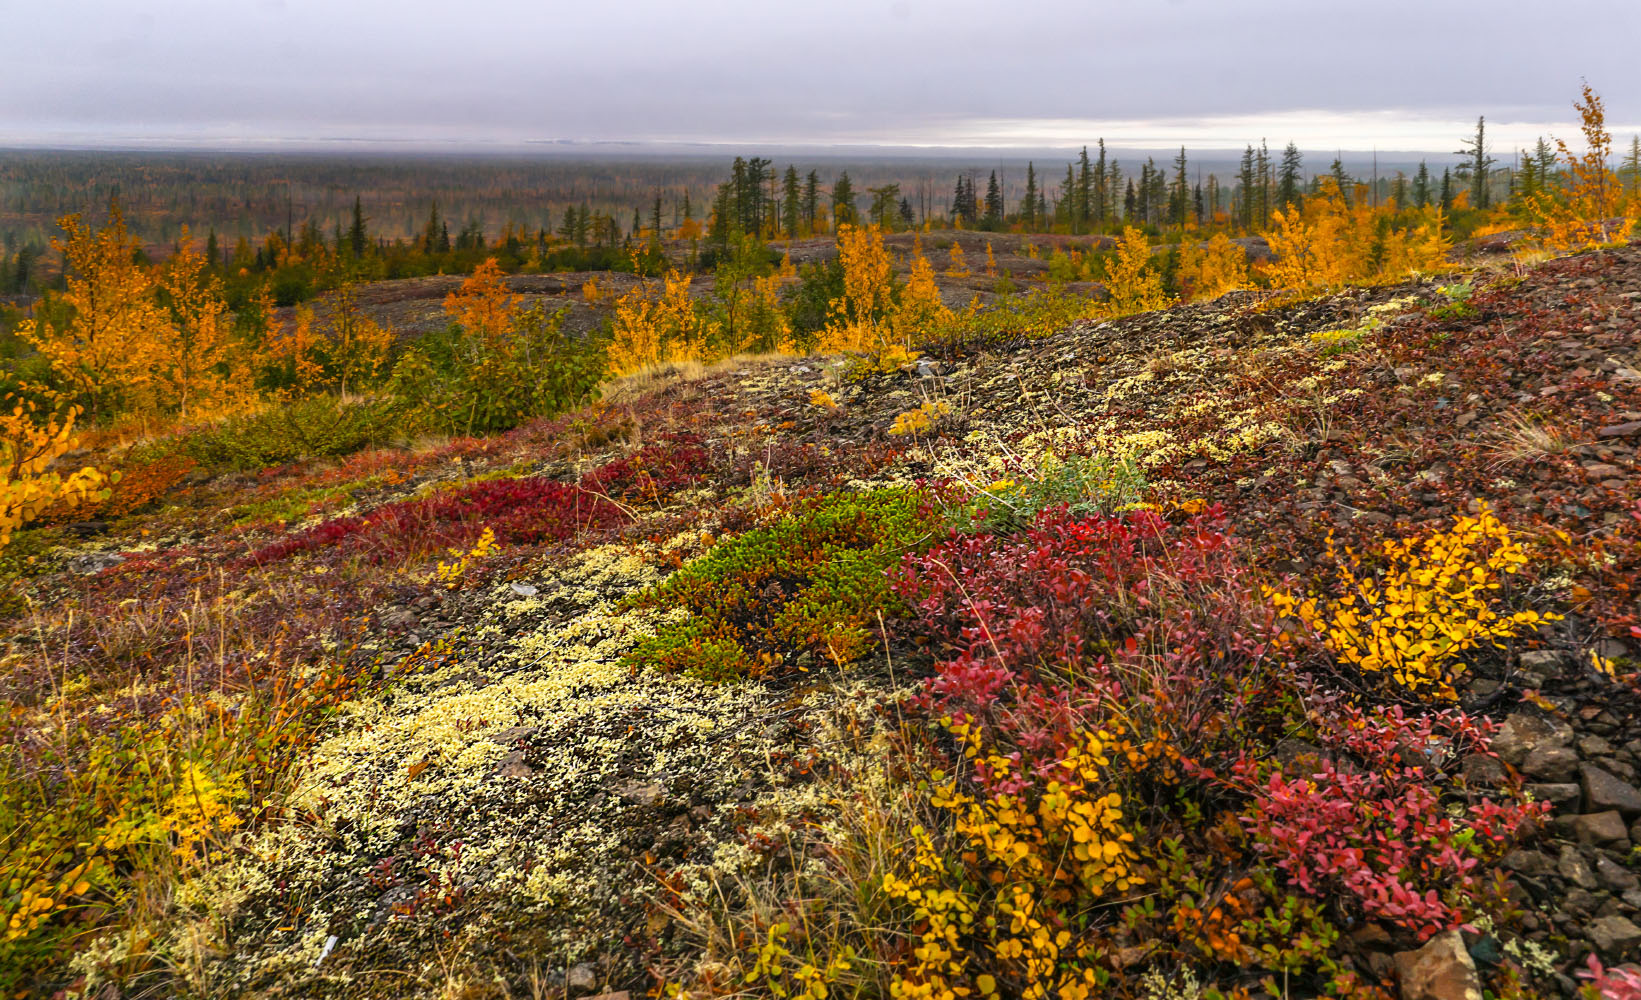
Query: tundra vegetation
(1186, 624)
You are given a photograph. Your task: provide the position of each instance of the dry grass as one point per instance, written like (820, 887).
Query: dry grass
(1524, 439)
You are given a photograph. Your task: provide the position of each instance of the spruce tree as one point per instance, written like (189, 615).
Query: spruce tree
(1287, 185)
(1421, 185)
(1028, 207)
(358, 239)
(791, 202)
(811, 198)
(994, 204)
(843, 201)
(1477, 166)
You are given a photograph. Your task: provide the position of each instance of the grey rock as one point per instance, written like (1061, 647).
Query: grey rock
(1542, 661)
(641, 793)
(1441, 970)
(1483, 769)
(1603, 829)
(1556, 795)
(1572, 867)
(581, 979)
(1553, 764)
(1613, 937)
(1603, 791)
(1594, 746)
(523, 589)
(1615, 876)
(1528, 862)
(1523, 733)
(92, 563)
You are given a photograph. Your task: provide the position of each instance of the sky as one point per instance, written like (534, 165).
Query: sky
(475, 75)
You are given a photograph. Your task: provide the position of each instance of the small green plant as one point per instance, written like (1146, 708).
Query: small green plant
(807, 587)
(1085, 484)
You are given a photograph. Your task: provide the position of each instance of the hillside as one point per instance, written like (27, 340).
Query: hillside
(787, 677)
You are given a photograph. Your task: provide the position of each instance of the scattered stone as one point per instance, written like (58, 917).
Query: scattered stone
(92, 563)
(1528, 862)
(1552, 764)
(1441, 970)
(1483, 769)
(581, 979)
(1556, 795)
(1602, 791)
(641, 793)
(1619, 430)
(523, 589)
(1614, 936)
(1603, 829)
(1615, 876)
(1572, 867)
(1522, 733)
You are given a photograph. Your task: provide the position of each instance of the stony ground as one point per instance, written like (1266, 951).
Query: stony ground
(499, 818)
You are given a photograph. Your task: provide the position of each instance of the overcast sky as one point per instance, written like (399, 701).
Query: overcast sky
(1391, 74)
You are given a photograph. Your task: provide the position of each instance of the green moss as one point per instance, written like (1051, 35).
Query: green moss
(807, 588)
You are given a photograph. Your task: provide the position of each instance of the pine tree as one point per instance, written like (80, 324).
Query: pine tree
(1447, 189)
(358, 239)
(430, 232)
(1477, 167)
(791, 202)
(1287, 185)
(844, 211)
(1245, 182)
(1179, 204)
(1085, 190)
(1421, 186)
(1263, 167)
(1028, 207)
(811, 199)
(1337, 171)
(1632, 166)
(994, 204)
(1102, 192)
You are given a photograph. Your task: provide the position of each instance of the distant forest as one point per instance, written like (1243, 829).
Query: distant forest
(250, 195)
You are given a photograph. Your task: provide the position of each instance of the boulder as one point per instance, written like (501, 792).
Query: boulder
(1553, 764)
(1441, 970)
(1603, 829)
(1614, 936)
(1522, 733)
(1603, 791)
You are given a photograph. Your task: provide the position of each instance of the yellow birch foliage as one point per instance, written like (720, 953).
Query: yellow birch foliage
(105, 347)
(1413, 622)
(650, 329)
(295, 350)
(1209, 270)
(920, 312)
(858, 321)
(356, 344)
(30, 442)
(191, 360)
(482, 305)
(1329, 243)
(1130, 281)
(1574, 213)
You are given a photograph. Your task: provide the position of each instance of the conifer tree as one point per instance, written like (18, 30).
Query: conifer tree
(791, 202)
(1421, 185)
(1287, 185)
(994, 204)
(1245, 182)
(811, 199)
(1028, 207)
(1179, 205)
(1477, 166)
(358, 239)
(844, 211)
